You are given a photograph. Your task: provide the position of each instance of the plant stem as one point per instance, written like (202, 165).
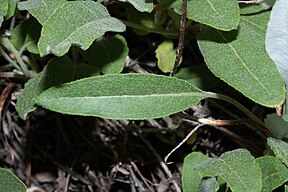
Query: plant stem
(238, 105)
(181, 37)
(8, 45)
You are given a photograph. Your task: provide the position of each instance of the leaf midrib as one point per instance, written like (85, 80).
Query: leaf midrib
(244, 64)
(199, 94)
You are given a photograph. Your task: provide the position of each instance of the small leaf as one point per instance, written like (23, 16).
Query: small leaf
(242, 63)
(10, 183)
(191, 179)
(280, 148)
(221, 14)
(141, 5)
(277, 40)
(277, 126)
(123, 96)
(78, 23)
(199, 76)
(19, 33)
(108, 55)
(166, 55)
(57, 71)
(237, 168)
(274, 173)
(41, 9)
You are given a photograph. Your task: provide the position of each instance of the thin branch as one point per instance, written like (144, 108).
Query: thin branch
(180, 46)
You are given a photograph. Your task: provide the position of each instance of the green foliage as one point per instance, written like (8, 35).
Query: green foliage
(277, 126)
(9, 182)
(233, 48)
(223, 15)
(166, 55)
(140, 5)
(103, 55)
(57, 71)
(3, 10)
(90, 21)
(239, 169)
(124, 96)
(240, 66)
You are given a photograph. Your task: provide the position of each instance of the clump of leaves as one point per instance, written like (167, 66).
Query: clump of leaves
(231, 39)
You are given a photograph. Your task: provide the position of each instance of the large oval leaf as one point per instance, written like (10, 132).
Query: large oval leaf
(239, 58)
(76, 23)
(123, 96)
(220, 14)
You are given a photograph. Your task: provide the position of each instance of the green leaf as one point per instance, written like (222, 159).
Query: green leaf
(166, 55)
(280, 148)
(26, 34)
(209, 185)
(199, 76)
(145, 20)
(78, 23)
(274, 173)
(237, 168)
(277, 40)
(123, 96)
(242, 63)
(41, 9)
(108, 55)
(11, 8)
(191, 179)
(221, 14)
(141, 5)
(57, 71)
(32, 37)
(3, 10)
(277, 126)
(10, 183)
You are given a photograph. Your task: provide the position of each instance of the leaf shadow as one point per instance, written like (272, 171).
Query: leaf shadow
(214, 35)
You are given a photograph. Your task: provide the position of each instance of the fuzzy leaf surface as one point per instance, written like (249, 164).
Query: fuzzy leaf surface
(41, 9)
(76, 23)
(242, 63)
(57, 71)
(277, 126)
(274, 173)
(238, 168)
(123, 96)
(191, 179)
(221, 14)
(141, 5)
(9, 182)
(280, 149)
(277, 41)
(3, 10)
(108, 55)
